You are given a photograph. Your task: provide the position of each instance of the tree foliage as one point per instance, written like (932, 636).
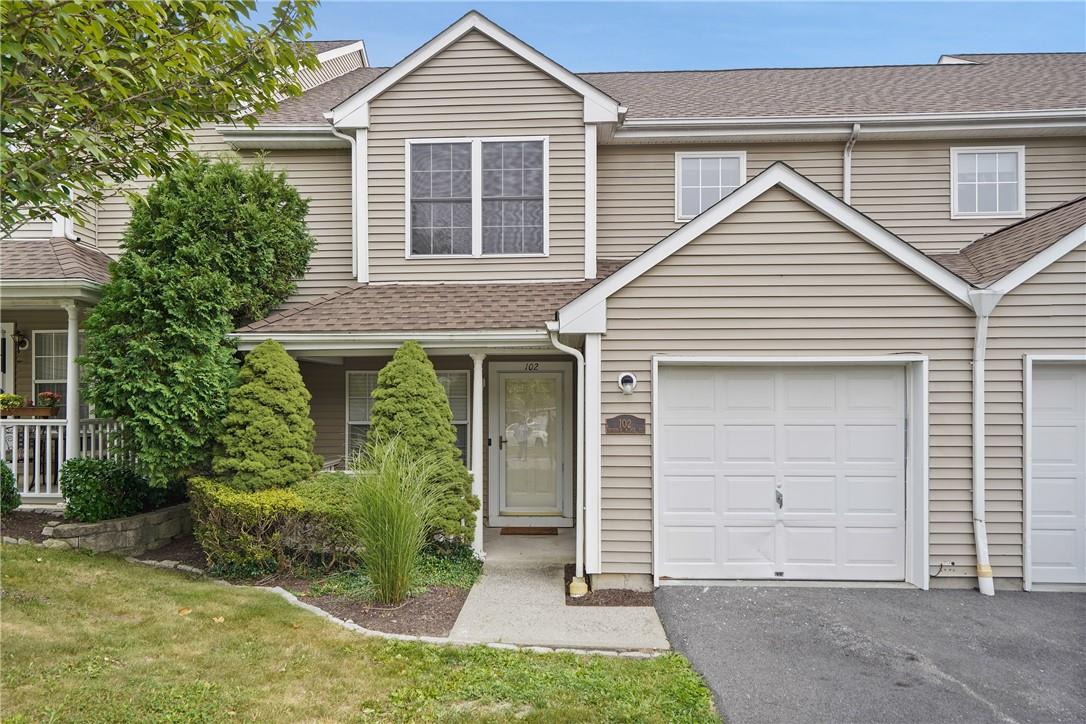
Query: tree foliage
(411, 406)
(267, 436)
(101, 92)
(157, 356)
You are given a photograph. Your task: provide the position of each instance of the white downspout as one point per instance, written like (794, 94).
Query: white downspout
(983, 301)
(354, 200)
(577, 586)
(846, 182)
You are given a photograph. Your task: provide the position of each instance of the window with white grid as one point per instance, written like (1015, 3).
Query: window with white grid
(988, 182)
(441, 198)
(50, 367)
(513, 197)
(360, 387)
(702, 179)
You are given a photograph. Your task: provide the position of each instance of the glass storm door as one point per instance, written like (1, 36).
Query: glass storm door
(531, 445)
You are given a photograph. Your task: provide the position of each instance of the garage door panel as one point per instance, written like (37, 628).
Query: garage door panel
(829, 441)
(1057, 540)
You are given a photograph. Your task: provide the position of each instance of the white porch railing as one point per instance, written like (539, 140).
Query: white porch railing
(35, 450)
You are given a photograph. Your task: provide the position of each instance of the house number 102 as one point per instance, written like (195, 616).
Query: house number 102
(531, 366)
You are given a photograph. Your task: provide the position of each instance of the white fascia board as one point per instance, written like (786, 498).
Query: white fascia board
(23, 292)
(355, 47)
(339, 342)
(598, 105)
(591, 320)
(807, 191)
(307, 136)
(1040, 262)
(1039, 114)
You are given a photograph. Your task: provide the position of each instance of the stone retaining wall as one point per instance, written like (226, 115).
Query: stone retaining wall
(124, 536)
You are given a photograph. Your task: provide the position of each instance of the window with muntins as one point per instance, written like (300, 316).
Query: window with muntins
(50, 367)
(360, 387)
(477, 197)
(988, 182)
(702, 179)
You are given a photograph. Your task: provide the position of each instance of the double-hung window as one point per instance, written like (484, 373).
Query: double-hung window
(360, 387)
(50, 366)
(477, 197)
(988, 182)
(703, 178)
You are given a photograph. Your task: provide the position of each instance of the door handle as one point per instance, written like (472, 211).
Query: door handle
(780, 499)
(501, 442)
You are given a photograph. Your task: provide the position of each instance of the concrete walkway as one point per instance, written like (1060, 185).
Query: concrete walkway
(520, 599)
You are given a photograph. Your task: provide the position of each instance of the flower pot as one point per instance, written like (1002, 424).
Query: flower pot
(35, 411)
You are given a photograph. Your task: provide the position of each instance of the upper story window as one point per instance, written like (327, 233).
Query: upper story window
(988, 182)
(703, 178)
(477, 197)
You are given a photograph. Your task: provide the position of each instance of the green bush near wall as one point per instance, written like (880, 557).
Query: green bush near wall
(9, 494)
(97, 489)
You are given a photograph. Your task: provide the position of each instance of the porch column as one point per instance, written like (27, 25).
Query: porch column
(477, 444)
(71, 396)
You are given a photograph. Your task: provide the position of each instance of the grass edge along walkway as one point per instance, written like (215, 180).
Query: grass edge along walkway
(94, 638)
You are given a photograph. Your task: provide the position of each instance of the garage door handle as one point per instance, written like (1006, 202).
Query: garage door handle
(780, 499)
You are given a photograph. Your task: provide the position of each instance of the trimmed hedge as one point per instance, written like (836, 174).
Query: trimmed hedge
(9, 494)
(248, 533)
(96, 489)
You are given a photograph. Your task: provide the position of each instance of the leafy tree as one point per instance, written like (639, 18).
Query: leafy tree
(9, 494)
(211, 245)
(100, 92)
(410, 405)
(267, 436)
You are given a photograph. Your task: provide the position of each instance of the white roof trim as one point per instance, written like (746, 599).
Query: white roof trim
(779, 174)
(348, 341)
(1041, 261)
(599, 107)
(357, 46)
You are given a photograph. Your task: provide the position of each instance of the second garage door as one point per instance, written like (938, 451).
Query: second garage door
(781, 472)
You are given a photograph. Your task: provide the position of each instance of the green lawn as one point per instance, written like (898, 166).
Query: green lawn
(96, 639)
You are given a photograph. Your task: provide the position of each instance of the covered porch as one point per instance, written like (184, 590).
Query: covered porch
(46, 290)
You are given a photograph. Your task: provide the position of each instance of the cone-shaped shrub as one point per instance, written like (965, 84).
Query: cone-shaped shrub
(410, 405)
(267, 436)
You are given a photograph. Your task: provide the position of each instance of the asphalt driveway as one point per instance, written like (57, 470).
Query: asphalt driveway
(883, 655)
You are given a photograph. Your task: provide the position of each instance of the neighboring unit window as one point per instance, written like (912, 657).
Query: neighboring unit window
(988, 182)
(360, 387)
(513, 197)
(477, 197)
(441, 198)
(702, 179)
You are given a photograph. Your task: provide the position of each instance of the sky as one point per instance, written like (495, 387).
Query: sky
(692, 35)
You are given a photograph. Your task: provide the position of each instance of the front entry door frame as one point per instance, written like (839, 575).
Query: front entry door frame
(498, 371)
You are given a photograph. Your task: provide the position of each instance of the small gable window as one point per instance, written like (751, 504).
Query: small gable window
(988, 182)
(477, 197)
(703, 178)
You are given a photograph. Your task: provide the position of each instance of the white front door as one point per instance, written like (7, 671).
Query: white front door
(1058, 474)
(781, 472)
(531, 466)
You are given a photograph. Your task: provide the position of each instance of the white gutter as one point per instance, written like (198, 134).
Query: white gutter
(577, 586)
(847, 161)
(1040, 114)
(984, 302)
(354, 200)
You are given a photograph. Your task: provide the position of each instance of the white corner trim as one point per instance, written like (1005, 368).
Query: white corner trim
(680, 155)
(362, 204)
(1052, 254)
(599, 107)
(589, 201)
(593, 453)
(815, 196)
(1019, 213)
(358, 46)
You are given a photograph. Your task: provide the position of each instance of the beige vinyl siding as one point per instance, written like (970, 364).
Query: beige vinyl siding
(330, 69)
(636, 187)
(87, 229)
(906, 185)
(28, 321)
(33, 230)
(1045, 315)
(777, 278)
(475, 87)
(323, 176)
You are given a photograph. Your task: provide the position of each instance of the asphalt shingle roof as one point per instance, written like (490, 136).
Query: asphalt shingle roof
(56, 258)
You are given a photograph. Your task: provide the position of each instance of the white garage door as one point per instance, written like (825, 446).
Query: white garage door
(781, 472)
(1058, 474)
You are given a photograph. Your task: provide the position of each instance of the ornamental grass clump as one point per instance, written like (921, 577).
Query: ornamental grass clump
(395, 503)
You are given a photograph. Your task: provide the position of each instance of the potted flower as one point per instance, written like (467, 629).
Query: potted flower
(15, 405)
(49, 399)
(9, 401)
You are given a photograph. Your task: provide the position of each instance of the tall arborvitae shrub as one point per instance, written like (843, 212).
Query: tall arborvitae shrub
(410, 405)
(267, 435)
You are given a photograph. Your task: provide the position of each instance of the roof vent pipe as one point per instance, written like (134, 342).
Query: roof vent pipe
(846, 182)
(984, 302)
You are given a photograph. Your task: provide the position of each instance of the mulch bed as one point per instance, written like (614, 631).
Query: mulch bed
(21, 524)
(606, 597)
(183, 550)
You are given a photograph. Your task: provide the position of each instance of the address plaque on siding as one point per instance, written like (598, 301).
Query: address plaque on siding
(625, 425)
